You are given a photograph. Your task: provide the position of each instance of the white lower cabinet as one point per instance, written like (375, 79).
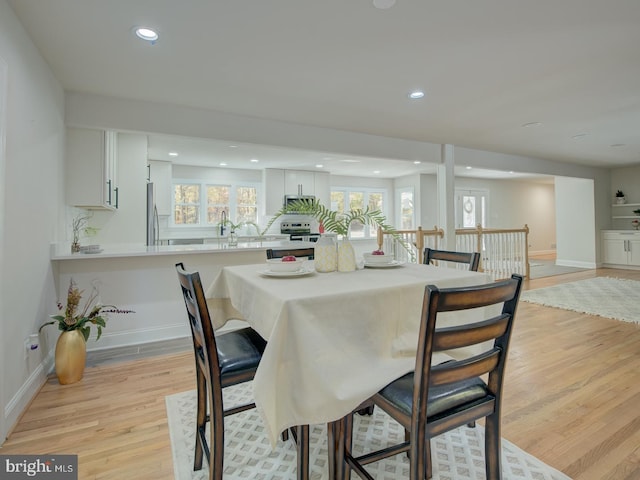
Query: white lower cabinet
(621, 248)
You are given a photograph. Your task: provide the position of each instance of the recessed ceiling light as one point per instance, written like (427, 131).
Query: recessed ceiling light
(417, 162)
(233, 146)
(173, 154)
(468, 168)
(532, 124)
(223, 164)
(319, 165)
(384, 4)
(254, 160)
(349, 160)
(616, 145)
(146, 34)
(416, 95)
(376, 171)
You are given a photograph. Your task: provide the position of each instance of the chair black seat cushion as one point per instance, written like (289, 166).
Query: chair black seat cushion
(441, 398)
(239, 350)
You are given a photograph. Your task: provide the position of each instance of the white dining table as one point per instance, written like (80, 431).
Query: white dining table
(333, 339)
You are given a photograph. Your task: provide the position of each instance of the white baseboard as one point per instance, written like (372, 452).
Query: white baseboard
(533, 253)
(572, 263)
(20, 401)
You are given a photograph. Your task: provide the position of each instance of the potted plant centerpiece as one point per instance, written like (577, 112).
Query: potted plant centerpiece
(75, 324)
(340, 224)
(620, 199)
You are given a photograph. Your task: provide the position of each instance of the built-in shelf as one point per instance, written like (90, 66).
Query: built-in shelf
(627, 216)
(626, 205)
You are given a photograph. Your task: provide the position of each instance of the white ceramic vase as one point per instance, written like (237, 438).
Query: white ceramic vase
(346, 256)
(325, 255)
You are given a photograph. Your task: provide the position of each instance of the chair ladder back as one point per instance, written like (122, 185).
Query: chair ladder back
(471, 334)
(437, 300)
(296, 252)
(469, 258)
(204, 341)
(458, 370)
(475, 296)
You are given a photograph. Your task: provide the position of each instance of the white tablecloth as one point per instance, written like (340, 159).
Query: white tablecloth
(334, 339)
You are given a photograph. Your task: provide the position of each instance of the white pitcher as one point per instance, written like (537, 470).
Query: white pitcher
(325, 255)
(346, 256)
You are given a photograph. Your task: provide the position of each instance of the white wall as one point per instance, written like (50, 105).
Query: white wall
(514, 203)
(33, 213)
(575, 220)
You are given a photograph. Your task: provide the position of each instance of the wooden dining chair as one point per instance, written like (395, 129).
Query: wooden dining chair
(434, 399)
(470, 258)
(296, 252)
(221, 361)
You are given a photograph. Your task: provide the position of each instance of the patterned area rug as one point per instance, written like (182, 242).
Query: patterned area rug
(458, 455)
(607, 297)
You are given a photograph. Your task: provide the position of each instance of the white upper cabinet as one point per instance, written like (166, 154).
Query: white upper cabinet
(298, 182)
(91, 168)
(279, 182)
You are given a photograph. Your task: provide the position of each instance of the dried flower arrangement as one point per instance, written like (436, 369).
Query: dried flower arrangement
(91, 313)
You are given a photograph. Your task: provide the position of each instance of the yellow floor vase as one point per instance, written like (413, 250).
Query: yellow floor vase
(71, 355)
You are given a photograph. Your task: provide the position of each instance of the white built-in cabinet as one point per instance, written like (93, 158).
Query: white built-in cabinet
(160, 175)
(91, 168)
(280, 182)
(621, 248)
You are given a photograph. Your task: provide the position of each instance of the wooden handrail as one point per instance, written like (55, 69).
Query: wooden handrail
(420, 238)
(416, 238)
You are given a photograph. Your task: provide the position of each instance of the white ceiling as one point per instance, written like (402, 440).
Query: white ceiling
(488, 67)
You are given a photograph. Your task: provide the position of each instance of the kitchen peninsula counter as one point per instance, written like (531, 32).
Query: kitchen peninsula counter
(62, 251)
(144, 279)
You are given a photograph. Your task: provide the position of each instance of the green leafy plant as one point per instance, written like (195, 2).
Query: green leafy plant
(339, 222)
(80, 224)
(637, 211)
(619, 194)
(91, 313)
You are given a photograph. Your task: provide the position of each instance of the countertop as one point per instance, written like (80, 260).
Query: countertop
(63, 251)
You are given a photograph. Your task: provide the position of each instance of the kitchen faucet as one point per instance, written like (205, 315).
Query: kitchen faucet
(223, 222)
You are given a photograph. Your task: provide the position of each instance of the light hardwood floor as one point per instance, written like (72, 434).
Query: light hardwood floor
(572, 400)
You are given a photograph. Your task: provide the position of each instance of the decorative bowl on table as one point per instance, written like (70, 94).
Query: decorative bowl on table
(376, 258)
(286, 264)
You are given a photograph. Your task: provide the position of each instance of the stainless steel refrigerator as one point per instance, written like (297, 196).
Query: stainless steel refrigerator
(152, 216)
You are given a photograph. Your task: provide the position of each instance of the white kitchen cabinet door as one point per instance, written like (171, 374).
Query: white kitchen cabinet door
(614, 251)
(273, 181)
(322, 188)
(91, 168)
(633, 250)
(160, 175)
(299, 182)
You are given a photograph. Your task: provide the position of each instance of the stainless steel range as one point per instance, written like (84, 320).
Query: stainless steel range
(299, 231)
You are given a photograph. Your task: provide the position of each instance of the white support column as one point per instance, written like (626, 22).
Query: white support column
(446, 192)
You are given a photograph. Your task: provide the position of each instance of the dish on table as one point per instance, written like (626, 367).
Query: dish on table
(390, 264)
(292, 265)
(295, 273)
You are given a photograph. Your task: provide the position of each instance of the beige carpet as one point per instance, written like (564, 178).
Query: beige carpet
(607, 297)
(458, 455)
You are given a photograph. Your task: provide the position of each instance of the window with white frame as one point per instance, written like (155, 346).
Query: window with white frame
(345, 199)
(202, 204)
(406, 209)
